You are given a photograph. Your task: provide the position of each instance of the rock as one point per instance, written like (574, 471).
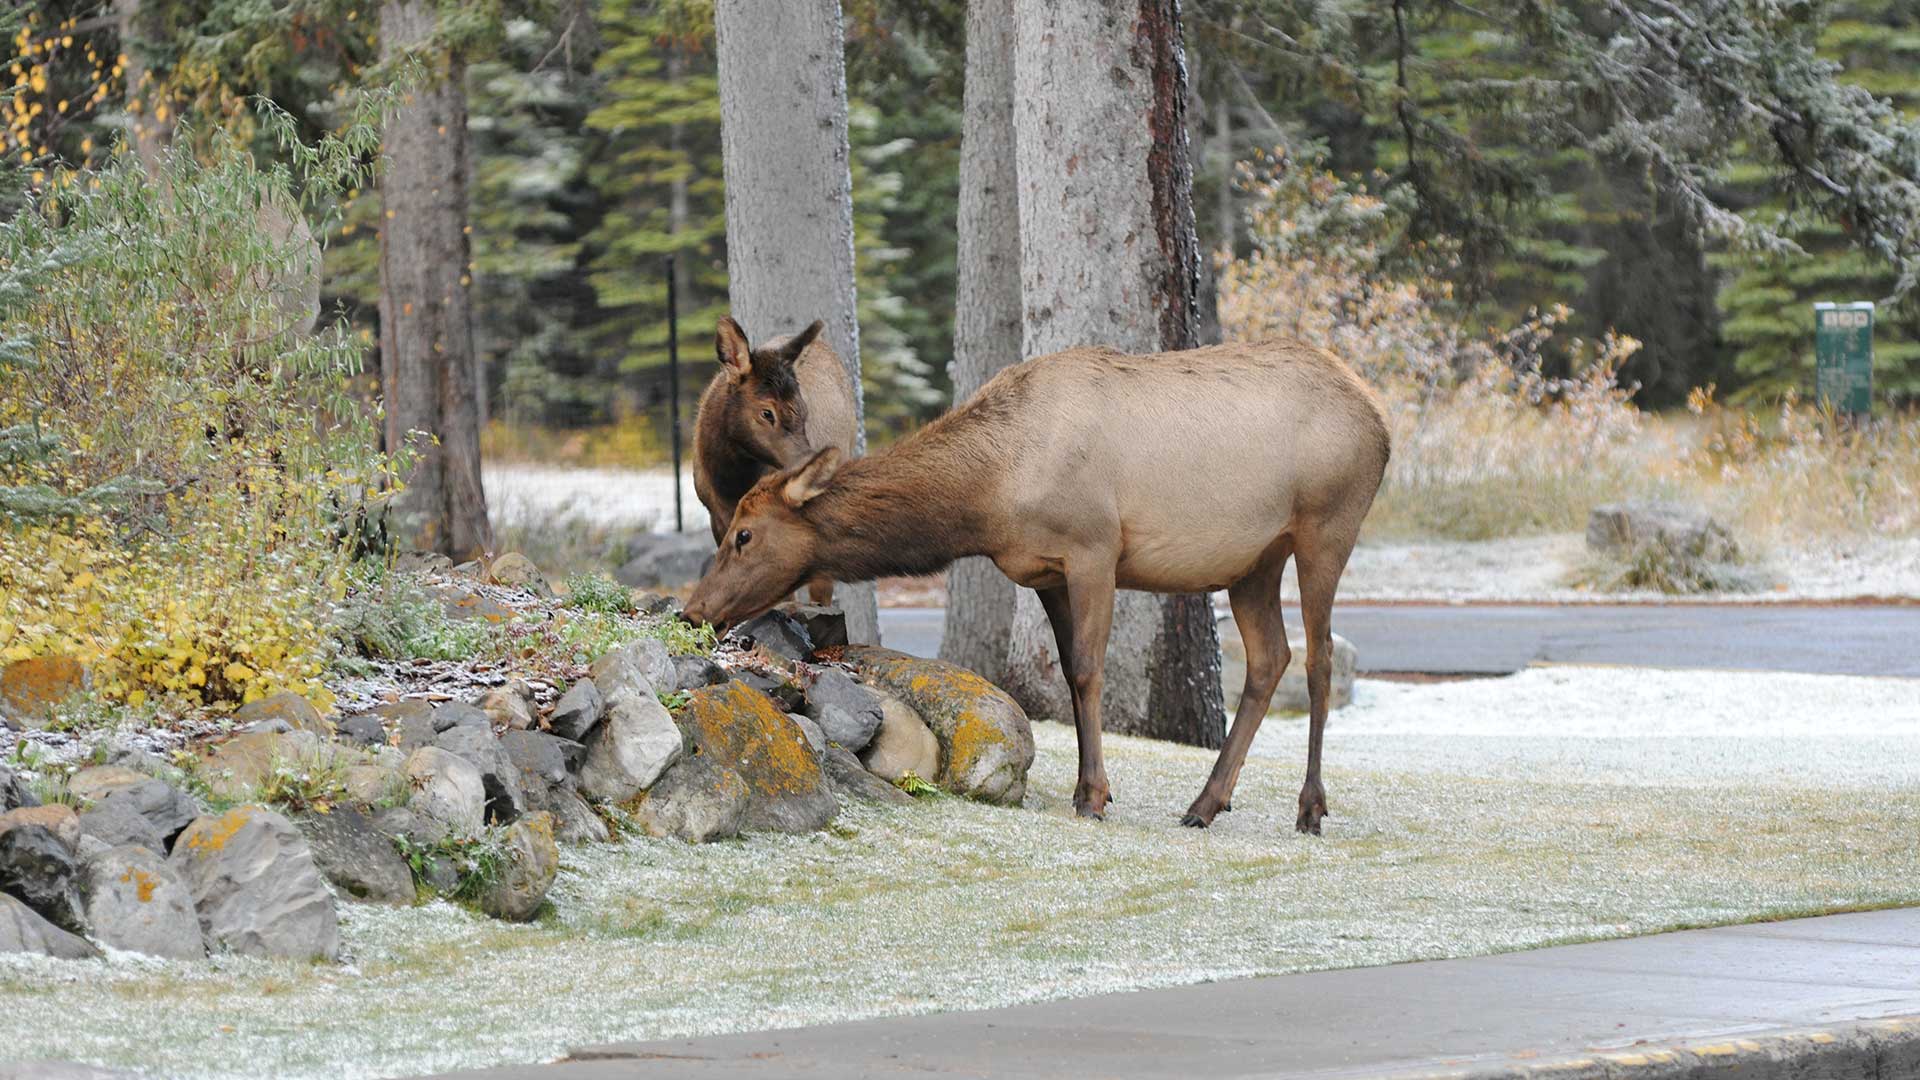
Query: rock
(14, 792)
(665, 560)
(632, 747)
(698, 800)
(506, 793)
(543, 763)
(850, 778)
(509, 708)
(777, 632)
(298, 712)
(40, 870)
(22, 930)
(359, 859)
(694, 672)
(782, 690)
(848, 712)
(377, 782)
(986, 745)
(904, 744)
(516, 571)
(136, 901)
(742, 730)
(364, 729)
(1291, 694)
(56, 818)
(1621, 527)
(652, 603)
(167, 807)
(643, 665)
(577, 711)
(815, 737)
(241, 766)
(449, 796)
(466, 603)
(532, 861)
(825, 625)
(31, 689)
(422, 562)
(116, 823)
(411, 721)
(256, 887)
(452, 714)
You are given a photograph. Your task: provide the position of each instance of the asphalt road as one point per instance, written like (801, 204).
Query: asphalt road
(1501, 639)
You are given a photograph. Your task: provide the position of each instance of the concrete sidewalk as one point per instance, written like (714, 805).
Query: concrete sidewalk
(1774, 999)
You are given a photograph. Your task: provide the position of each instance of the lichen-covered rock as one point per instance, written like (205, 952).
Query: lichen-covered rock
(850, 778)
(506, 791)
(629, 750)
(30, 689)
(256, 887)
(298, 713)
(56, 818)
(542, 761)
(743, 730)
(986, 745)
(41, 870)
(516, 571)
(1291, 694)
(577, 711)
(449, 795)
(532, 861)
(136, 901)
(22, 930)
(510, 707)
(357, 856)
(904, 744)
(847, 712)
(239, 767)
(641, 666)
(698, 800)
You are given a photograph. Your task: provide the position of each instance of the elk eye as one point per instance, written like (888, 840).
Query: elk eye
(767, 415)
(740, 539)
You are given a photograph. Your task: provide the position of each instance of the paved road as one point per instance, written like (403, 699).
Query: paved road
(1498, 640)
(1698, 984)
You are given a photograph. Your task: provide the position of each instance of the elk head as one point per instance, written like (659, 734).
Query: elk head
(766, 416)
(770, 548)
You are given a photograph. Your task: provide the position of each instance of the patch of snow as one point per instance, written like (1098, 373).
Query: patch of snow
(616, 498)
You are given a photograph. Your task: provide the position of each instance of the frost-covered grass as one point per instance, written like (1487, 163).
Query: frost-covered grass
(1469, 818)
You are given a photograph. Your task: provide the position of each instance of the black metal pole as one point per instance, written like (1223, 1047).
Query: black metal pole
(673, 390)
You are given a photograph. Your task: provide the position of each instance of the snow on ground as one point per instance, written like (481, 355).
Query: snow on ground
(1471, 817)
(1516, 569)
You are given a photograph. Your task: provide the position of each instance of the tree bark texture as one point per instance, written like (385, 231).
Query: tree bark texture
(427, 366)
(1109, 257)
(783, 143)
(987, 314)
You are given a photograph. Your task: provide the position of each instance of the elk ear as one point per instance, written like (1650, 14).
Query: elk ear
(799, 342)
(809, 480)
(730, 344)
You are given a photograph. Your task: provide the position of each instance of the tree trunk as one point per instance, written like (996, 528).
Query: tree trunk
(148, 136)
(426, 333)
(1109, 256)
(783, 145)
(987, 316)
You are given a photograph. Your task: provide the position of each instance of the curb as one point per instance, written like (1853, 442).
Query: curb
(1887, 1049)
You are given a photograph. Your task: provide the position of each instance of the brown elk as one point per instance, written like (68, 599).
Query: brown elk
(1087, 471)
(765, 410)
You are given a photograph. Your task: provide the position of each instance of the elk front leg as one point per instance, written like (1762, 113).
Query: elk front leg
(1088, 604)
(820, 591)
(1256, 610)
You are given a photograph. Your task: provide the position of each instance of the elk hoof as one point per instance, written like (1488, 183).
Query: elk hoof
(1090, 812)
(1313, 807)
(1194, 821)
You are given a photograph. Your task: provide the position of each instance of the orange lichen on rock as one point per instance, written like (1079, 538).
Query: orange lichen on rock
(212, 834)
(986, 745)
(142, 882)
(745, 730)
(30, 688)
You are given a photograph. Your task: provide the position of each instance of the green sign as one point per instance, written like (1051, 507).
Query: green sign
(1843, 351)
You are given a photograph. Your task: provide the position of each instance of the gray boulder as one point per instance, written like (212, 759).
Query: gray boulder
(904, 744)
(694, 672)
(39, 869)
(510, 707)
(506, 792)
(449, 795)
(665, 560)
(632, 747)
(452, 714)
(14, 792)
(826, 626)
(777, 632)
(698, 800)
(850, 778)
(577, 711)
(256, 887)
(364, 729)
(136, 901)
(359, 858)
(815, 737)
(239, 767)
(532, 861)
(296, 712)
(56, 817)
(642, 666)
(167, 807)
(1291, 694)
(116, 823)
(22, 930)
(412, 721)
(542, 760)
(846, 711)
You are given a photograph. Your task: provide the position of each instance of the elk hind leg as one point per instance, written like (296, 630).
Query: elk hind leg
(1322, 559)
(1256, 611)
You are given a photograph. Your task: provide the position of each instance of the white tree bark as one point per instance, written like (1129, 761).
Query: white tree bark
(783, 140)
(1108, 257)
(987, 316)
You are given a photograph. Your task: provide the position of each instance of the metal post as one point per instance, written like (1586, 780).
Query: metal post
(673, 391)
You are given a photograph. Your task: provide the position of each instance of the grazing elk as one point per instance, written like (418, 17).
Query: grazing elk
(765, 410)
(1088, 471)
